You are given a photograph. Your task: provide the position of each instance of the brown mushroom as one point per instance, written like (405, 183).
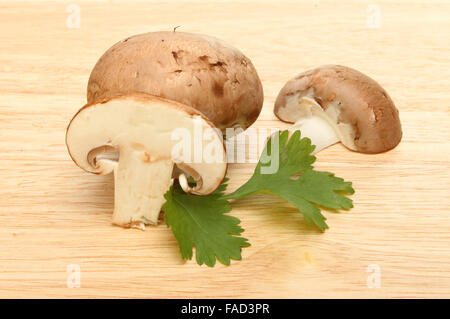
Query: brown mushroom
(133, 136)
(335, 103)
(196, 70)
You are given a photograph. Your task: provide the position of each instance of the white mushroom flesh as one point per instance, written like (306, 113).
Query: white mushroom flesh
(318, 125)
(142, 132)
(139, 188)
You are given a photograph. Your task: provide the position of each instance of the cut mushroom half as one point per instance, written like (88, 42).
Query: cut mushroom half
(335, 103)
(140, 138)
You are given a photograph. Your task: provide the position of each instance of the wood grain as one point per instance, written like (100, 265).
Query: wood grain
(52, 214)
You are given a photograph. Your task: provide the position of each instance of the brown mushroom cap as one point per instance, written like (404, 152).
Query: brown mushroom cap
(350, 98)
(197, 70)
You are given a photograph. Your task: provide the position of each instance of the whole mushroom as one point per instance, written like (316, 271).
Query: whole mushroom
(335, 103)
(196, 70)
(135, 136)
(142, 90)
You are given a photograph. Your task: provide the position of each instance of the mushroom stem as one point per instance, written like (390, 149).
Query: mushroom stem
(319, 132)
(315, 125)
(140, 185)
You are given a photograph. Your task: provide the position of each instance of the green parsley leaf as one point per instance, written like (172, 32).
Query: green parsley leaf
(201, 221)
(295, 180)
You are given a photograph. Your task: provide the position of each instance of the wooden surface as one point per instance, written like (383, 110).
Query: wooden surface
(53, 215)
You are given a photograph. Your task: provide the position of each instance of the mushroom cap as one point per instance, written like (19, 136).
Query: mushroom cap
(361, 109)
(145, 124)
(196, 70)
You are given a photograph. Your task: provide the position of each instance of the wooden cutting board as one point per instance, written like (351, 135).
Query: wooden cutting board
(55, 217)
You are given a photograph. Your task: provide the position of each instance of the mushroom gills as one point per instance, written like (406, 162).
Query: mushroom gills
(314, 124)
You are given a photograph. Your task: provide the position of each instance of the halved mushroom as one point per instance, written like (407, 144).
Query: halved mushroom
(335, 103)
(144, 132)
(194, 69)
